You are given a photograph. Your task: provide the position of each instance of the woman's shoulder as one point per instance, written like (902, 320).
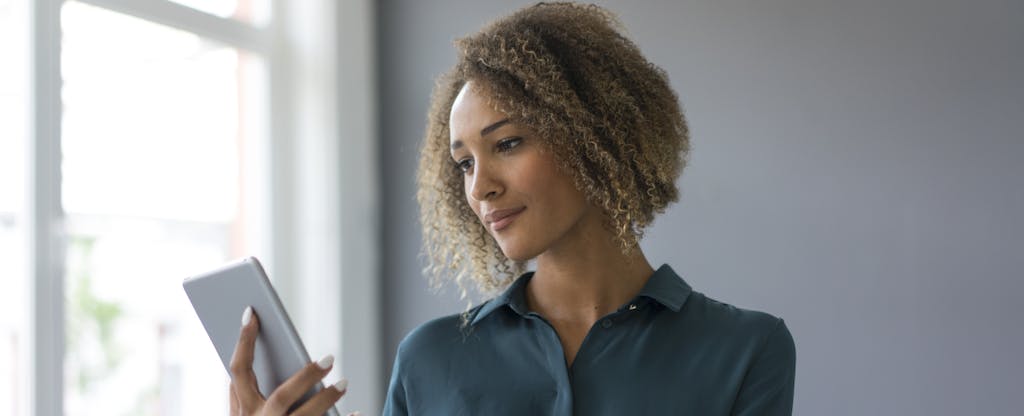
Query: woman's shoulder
(743, 325)
(438, 334)
(724, 313)
(689, 311)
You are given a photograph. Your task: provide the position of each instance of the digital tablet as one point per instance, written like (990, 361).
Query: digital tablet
(219, 297)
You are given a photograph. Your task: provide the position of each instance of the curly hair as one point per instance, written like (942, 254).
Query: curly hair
(608, 116)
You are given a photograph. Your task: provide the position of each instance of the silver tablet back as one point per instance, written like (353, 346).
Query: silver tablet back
(220, 296)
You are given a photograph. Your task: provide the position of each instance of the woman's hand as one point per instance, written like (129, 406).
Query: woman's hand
(246, 399)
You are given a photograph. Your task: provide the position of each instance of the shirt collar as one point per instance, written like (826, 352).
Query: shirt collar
(514, 296)
(664, 287)
(667, 288)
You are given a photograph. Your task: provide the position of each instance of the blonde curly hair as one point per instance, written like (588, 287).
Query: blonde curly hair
(608, 115)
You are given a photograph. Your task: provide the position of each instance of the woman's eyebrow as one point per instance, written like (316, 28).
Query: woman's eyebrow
(487, 130)
(483, 132)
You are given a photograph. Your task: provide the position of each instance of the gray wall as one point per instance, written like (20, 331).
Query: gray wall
(856, 170)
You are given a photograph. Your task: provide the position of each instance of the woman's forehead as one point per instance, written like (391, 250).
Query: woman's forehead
(471, 113)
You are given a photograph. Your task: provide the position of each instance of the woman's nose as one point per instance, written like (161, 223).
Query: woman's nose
(484, 184)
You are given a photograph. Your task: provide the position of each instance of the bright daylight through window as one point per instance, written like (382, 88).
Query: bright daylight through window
(164, 173)
(161, 157)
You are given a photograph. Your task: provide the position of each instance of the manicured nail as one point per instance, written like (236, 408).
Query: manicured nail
(341, 385)
(325, 362)
(247, 315)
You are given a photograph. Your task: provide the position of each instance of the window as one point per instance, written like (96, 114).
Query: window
(143, 141)
(160, 147)
(163, 172)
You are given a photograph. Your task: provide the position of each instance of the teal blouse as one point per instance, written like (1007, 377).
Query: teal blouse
(668, 351)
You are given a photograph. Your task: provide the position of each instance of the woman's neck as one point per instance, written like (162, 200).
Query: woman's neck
(586, 276)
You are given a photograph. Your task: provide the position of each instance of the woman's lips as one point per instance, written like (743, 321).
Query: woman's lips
(504, 221)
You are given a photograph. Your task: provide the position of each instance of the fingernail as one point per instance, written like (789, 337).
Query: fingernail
(325, 362)
(341, 385)
(247, 315)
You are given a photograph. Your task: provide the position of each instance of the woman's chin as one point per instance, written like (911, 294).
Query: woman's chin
(516, 253)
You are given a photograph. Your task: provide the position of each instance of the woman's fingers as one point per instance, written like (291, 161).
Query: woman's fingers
(243, 379)
(245, 393)
(323, 399)
(298, 384)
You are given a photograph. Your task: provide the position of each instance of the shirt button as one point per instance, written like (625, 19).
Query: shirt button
(607, 323)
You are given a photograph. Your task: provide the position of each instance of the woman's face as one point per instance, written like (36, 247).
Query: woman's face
(512, 182)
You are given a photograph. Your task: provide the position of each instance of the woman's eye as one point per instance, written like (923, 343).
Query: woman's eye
(464, 165)
(507, 144)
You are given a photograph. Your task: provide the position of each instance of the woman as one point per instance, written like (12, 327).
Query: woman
(554, 140)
